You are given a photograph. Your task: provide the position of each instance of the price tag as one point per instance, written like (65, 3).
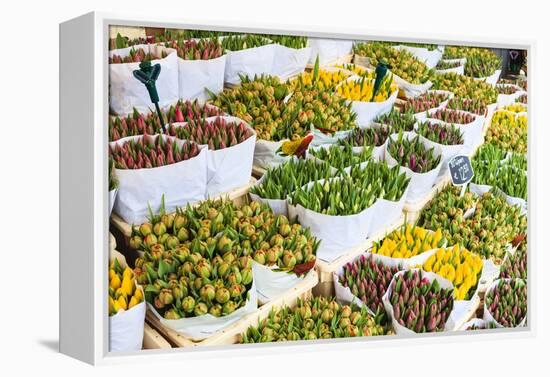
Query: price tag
(461, 171)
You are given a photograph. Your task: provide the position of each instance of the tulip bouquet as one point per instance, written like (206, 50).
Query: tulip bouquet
(341, 157)
(481, 62)
(242, 42)
(358, 70)
(452, 116)
(486, 164)
(512, 182)
(180, 283)
(515, 266)
(507, 89)
(123, 292)
(192, 49)
(364, 137)
(314, 318)
(522, 83)
(402, 62)
(258, 102)
(413, 154)
(362, 89)
(447, 207)
(220, 229)
(123, 42)
(474, 106)
(280, 181)
(515, 108)
(291, 41)
(465, 87)
(148, 152)
(440, 133)
(418, 304)
(310, 106)
(368, 279)
(442, 64)
(140, 124)
(217, 134)
(456, 52)
(522, 99)
(459, 266)
(408, 241)
(397, 121)
(508, 131)
(135, 56)
(390, 181)
(490, 229)
(424, 102)
(322, 79)
(507, 302)
(335, 197)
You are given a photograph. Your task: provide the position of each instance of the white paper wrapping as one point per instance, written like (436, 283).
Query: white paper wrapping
(368, 111)
(248, 62)
(428, 57)
(127, 92)
(195, 76)
(270, 284)
(421, 183)
(424, 114)
(458, 70)
(199, 328)
(472, 132)
(180, 183)
(337, 233)
(126, 327)
(278, 206)
(509, 99)
(289, 62)
(328, 50)
(112, 199)
(265, 154)
(402, 330)
(487, 315)
(492, 79)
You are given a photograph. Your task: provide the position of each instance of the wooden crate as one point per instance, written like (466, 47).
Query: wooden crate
(237, 195)
(258, 172)
(153, 340)
(325, 270)
(232, 334)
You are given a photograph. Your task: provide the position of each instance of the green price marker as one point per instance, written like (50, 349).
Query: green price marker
(381, 70)
(148, 74)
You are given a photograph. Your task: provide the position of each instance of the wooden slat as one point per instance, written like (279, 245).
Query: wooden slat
(153, 340)
(232, 334)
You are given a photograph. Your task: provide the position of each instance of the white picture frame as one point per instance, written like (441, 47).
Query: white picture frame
(84, 250)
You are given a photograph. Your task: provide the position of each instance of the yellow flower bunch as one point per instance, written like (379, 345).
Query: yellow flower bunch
(358, 70)
(408, 241)
(123, 293)
(326, 80)
(362, 89)
(508, 131)
(515, 108)
(459, 266)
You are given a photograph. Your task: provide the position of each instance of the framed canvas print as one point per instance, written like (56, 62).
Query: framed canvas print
(240, 188)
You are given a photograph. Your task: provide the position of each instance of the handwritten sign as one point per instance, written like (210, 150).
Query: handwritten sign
(461, 170)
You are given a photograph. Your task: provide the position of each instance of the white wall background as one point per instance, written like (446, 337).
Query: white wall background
(29, 184)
